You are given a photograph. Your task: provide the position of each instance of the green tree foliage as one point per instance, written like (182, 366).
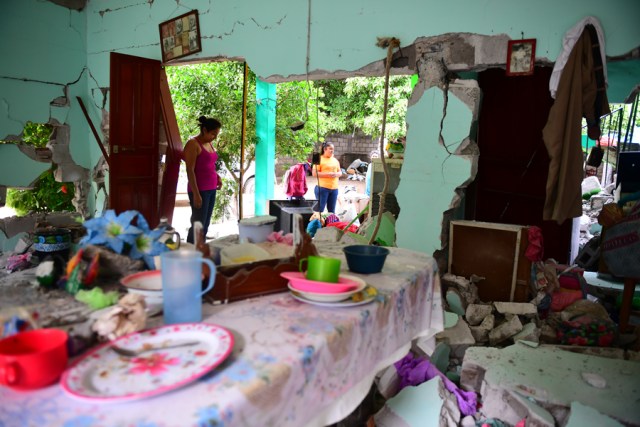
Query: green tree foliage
(357, 104)
(35, 134)
(216, 90)
(47, 195)
(619, 121)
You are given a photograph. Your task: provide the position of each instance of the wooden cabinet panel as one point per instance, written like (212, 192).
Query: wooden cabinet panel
(495, 252)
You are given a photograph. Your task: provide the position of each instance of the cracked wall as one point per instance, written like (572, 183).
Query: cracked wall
(273, 38)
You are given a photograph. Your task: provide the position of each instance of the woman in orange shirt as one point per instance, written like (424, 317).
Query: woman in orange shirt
(328, 173)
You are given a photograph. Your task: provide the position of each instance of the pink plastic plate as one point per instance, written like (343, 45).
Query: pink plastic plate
(324, 297)
(103, 376)
(300, 283)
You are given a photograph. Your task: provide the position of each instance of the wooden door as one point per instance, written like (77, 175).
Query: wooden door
(134, 110)
(174, 151)
(510, 186)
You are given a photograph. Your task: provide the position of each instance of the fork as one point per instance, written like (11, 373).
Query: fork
(133, 353)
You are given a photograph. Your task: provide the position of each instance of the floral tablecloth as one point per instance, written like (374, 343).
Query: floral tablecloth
(293, 364)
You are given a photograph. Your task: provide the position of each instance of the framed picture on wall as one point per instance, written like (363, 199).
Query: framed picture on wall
(521, 57)
(180, 36)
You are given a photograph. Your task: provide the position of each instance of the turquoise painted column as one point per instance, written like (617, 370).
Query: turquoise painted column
(266, 146)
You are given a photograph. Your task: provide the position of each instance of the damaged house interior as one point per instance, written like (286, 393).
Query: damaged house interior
(492, 278)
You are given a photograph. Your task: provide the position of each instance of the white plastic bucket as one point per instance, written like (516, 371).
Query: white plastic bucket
(256, 229)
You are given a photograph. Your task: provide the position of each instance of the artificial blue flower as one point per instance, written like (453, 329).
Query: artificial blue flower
(112, 230)
(146, 245)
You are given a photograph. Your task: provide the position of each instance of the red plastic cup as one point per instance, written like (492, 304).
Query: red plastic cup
(33, 359)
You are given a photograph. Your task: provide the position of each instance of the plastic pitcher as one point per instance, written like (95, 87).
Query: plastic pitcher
(182, 285)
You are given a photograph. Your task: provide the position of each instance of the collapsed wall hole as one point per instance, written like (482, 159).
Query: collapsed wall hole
(61, 188)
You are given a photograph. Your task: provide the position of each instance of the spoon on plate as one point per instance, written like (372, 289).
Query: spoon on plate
(133, 353)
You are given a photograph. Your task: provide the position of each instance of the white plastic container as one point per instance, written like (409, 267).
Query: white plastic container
(256, 229)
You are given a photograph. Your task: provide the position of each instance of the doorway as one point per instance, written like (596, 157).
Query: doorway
(510, 186)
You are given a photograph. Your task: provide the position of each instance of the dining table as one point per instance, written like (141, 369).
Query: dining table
(292, 363)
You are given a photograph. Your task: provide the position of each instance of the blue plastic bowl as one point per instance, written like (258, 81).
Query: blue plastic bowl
(365, 259)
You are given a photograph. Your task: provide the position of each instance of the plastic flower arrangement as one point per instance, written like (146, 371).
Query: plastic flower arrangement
(118, 233)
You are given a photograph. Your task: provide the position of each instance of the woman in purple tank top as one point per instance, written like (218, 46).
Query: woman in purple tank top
(200, 157)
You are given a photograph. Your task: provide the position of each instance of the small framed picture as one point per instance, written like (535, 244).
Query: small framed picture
(521, 57)
(180, 36)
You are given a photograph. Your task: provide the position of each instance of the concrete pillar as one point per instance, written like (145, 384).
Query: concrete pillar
(266, 145)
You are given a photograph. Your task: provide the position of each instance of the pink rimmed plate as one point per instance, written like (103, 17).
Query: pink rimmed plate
(104, 376)
(324, 297)
(300, 283)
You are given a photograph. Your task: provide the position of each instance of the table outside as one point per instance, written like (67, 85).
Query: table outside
(293, 364)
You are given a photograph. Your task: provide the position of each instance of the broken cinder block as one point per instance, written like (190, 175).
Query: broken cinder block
(476, 313)
(481, 332)
(458, 337)
(552, 377)
(519, 308)
(529, 332)
(505, 331)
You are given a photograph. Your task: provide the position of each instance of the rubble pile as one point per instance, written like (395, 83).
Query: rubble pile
(488, 347)
(594, 198)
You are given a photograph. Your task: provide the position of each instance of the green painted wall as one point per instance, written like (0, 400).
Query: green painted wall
(44, 59)
(18, 170)
(432, 173)
(272, 37)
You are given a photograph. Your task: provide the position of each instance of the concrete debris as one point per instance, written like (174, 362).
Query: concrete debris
(468, 421)
(408, 408)
(476, 313)
(548, 334)
(388, 382)
(519, 308)
(582, 415)
(328, 234)
(22, 245)
(455, 301)
(530, 332)
(481, 332)
(505, 330)
(467, 289)
(594, 380)
(440, 357)
(458, 337)
(552, 378)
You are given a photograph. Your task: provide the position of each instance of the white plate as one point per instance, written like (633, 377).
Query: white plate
(345, 303)
(311, 296)
(104, 376)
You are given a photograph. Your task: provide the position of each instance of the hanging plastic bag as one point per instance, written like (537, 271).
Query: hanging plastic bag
(595, 156)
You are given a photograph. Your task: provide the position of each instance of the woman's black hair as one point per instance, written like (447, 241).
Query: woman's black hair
(209, 123)
(325, 145)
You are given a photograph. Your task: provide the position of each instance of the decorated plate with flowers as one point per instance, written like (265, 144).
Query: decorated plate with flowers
(104, 376)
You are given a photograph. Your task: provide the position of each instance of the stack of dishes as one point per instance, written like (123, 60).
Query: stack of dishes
(348, 291)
